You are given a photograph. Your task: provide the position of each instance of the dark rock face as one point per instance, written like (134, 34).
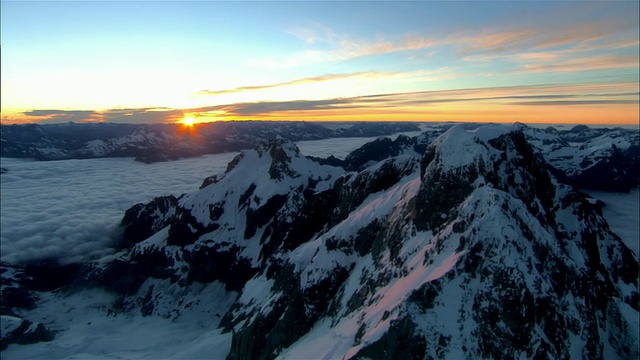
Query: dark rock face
(18, 295)
(25, 333)
(382, 149)
(280, 161)
(356, 188)
(49, 275)
(210, 263)
(141, 221)
(185, 229)
(618, 172)
(378, 150)
(15, 291)
(267, 335)
(400, 342)
(590, 158)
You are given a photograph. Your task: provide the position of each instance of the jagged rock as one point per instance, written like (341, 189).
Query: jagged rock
(20, 331)
(264, 202)
(18, 295)
(143, 220)
(378, 150)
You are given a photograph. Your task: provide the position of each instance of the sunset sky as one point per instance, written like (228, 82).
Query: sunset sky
(159, 61)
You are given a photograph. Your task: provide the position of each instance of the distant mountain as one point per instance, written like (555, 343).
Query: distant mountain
(455, 244)
(590, 158)
(160, 142)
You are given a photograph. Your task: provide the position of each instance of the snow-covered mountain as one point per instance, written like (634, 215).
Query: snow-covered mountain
(593, 158)
(454, 244)
(149, 142)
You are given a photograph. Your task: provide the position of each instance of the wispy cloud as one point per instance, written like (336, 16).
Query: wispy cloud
(344, 47)
(376, 105)
(580, 57)
(59, 116)
(602, 94)
(131, 116)
(142, 116)
(308, 80)
(586, 63)
(267, 107)
(577, 102)
(518, 38)
(527, 42)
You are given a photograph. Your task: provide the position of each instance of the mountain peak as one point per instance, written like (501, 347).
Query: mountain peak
(490, 155)
(281, 152)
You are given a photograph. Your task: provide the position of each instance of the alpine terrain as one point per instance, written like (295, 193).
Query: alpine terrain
(470, 241)
(161, 142)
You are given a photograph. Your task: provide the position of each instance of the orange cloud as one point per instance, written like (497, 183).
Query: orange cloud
(587, 63)
(594, 103)
(615, 103)
(477, 112)
(538, 41)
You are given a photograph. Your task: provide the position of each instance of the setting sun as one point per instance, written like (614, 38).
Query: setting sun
(188, 121)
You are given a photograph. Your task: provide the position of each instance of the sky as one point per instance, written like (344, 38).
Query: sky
(162, 61)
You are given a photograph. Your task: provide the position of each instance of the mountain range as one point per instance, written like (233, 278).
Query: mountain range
(162, 142)
(468, 241)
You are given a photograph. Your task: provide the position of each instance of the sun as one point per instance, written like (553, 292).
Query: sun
(188, 121)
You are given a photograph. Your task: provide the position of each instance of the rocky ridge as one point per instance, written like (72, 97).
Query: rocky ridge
(161, 142)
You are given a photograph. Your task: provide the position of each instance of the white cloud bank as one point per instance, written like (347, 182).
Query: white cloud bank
(70, 210)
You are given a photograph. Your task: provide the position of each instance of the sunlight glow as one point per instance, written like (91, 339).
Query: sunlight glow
(188, 121)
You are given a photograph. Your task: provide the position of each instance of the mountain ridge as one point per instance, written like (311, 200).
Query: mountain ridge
(161, 142)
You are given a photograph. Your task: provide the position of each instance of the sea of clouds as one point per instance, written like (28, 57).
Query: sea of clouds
(70, 210)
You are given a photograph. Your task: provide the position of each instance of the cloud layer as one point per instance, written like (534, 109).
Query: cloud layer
(607, 96)
(70, 210)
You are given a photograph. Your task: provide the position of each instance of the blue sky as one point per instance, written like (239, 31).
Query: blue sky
(88, 60)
